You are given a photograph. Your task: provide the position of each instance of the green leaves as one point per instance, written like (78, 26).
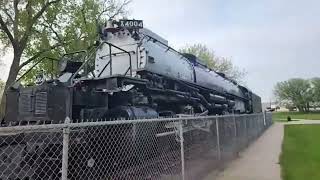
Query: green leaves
(315, 84)
(217, 63)
(298, 92)
(65, 26)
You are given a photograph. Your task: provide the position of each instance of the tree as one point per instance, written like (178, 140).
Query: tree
(217, 63)
(18, 19)
(315, 83)
(39, 28)
(74, 29)
(295, 91)
(1, 88)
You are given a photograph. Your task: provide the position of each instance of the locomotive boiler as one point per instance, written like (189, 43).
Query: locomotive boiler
(130, 73)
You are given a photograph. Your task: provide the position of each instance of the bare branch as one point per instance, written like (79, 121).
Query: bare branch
(16, 14)
(8, 15)
(42, 10)
(84, 16)
(34, 19)
(28, 8)
(50, 26)
(4, 27)
(120, 9)
(104, 11)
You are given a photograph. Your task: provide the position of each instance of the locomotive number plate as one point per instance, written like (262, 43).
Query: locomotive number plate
(135, 24)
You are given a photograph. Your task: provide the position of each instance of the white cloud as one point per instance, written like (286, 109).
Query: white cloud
(5, 62)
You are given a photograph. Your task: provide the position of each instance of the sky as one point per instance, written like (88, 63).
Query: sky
(273, 40)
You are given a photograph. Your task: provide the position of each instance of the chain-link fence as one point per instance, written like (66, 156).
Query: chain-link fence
(170, 148)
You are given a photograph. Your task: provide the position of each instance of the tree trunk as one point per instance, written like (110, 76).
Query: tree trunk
(308, 107)
(300, 108)
(13, 73)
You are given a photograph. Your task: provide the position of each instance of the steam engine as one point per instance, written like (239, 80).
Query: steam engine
(135, 74)
(131, 73)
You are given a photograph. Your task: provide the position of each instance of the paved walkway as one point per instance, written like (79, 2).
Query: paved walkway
(303, 121)
(259, 161)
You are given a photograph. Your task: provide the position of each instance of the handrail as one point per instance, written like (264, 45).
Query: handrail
(104, 68)
(86, 60)
(114, 54)
(110, 54)
(130, 60)
(43, 58)
(74, 52)
(126, 71)
(169, 48)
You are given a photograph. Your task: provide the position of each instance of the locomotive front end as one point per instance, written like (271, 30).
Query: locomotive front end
(38, 104)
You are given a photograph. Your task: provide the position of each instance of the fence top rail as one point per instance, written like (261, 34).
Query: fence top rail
(32, 128)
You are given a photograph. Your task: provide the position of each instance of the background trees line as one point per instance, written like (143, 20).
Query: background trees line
(50, 28)
(215, 62)
(302, 94)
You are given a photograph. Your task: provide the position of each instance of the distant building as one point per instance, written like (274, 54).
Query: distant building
(273, 106)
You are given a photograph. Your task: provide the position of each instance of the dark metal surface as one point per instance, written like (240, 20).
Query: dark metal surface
(41, 103)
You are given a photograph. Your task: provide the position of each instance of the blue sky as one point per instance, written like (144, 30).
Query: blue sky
(273, 40)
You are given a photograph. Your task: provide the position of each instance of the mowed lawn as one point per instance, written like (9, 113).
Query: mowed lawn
(281, 116)
(300, 158)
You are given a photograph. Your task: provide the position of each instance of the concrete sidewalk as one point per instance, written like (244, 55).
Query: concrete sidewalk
(259, 161)
(302, 121)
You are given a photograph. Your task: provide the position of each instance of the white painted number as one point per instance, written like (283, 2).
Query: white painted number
(131, 24)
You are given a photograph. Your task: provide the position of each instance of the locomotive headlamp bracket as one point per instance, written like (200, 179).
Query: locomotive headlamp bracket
(66, 65)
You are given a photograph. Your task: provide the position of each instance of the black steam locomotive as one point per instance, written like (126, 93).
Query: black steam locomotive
(135, 75)
(131, 73)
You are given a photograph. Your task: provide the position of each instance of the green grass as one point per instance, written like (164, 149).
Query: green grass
(300, 158)
(281, 116)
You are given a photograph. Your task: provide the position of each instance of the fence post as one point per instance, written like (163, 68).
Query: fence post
(261, 124)
(235, 125)
(245, 129)
(264, 118)
(256, 126)
(235, 132)
(65, 149)
(182, 148)
(218, 138)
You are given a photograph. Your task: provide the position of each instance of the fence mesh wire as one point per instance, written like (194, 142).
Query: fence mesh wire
(175, 148)
(30, 155)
